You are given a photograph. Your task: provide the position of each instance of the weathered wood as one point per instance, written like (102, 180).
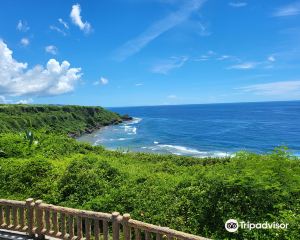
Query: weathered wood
(30, 216)
(170, 237)
(105, 230)
(22, 218)
(96, 230)
(42, 219)
(79, 227)
(63, 225)
(116, 226)
(71, 227)
(47, 222)
(126, 227)
(158, 236)
(147, 235)
(1, 215)
(77, 212)
(137, 233)
(15, 216)
(54, 224)
(87, 229)
(4, 202)
(163, 230)
(7, 216)
(39, 219)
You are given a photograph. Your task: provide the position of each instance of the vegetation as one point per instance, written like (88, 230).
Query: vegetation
(73, 120)
(184, 193)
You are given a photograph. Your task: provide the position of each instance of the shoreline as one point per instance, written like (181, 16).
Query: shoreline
(90, 130)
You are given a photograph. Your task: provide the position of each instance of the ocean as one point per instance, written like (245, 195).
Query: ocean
(202, 130)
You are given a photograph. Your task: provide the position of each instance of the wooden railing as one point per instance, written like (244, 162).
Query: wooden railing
(40, 220)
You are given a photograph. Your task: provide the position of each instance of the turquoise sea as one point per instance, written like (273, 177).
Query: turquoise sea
(205, 130)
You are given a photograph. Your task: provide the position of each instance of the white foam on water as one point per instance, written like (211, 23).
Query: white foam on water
(180, 149)
(134, 121)
(155, 142)
(130, 130)
(186, 151)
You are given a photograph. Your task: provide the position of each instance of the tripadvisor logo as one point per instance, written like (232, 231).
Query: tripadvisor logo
(233, 225)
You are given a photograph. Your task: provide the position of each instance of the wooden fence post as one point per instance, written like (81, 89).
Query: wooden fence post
(115, 226)
(30, 217)
(126, 227)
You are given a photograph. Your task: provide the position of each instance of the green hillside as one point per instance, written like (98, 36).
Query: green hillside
(73, 120)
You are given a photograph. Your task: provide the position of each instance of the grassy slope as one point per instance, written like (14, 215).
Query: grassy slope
(188, 194)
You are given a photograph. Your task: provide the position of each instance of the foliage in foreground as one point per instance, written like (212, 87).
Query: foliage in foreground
(188, 194)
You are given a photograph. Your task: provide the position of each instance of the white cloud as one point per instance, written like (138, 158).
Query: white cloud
(283, 88)
(25, 101)
(244, 66)
(223, 57)
(3, 100)
(17, 80)
(238, 4)
(288, 10)
(172, 96)
(101, 81)
(271, 59)
(57, 29)
(25, 42)
(51, 49)
(63, 23)
(164, 67)
(77, 19)
(22, 26)
(139, 84)
(206, 56)
(135, 45)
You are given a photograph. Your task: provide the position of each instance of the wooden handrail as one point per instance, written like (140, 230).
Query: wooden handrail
(39, 220)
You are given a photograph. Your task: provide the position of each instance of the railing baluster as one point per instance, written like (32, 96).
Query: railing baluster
(7, 216)
(71, 226)
(15, 216)
(22, 218)
(105, 230)
(63, 225)
(137, 234)
(47, 221)
(158, 236)
(30, 216)
(116, 226)
(79, 227)
(39, 219)
(54, 224)
(147, 235)
(87, 229)
(96, 229)
(1, 215)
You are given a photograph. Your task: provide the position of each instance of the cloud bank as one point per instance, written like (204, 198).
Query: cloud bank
(17, 80)
(283, 88)
(288, 10)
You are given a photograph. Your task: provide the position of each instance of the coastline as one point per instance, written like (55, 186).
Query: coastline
(91, 130)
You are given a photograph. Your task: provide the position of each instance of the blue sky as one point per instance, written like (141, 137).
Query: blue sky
(149, 52)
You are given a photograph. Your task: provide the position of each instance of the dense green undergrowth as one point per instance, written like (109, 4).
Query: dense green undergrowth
(184, 193)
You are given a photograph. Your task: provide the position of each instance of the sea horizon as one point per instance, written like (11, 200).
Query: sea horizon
(204, 130)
